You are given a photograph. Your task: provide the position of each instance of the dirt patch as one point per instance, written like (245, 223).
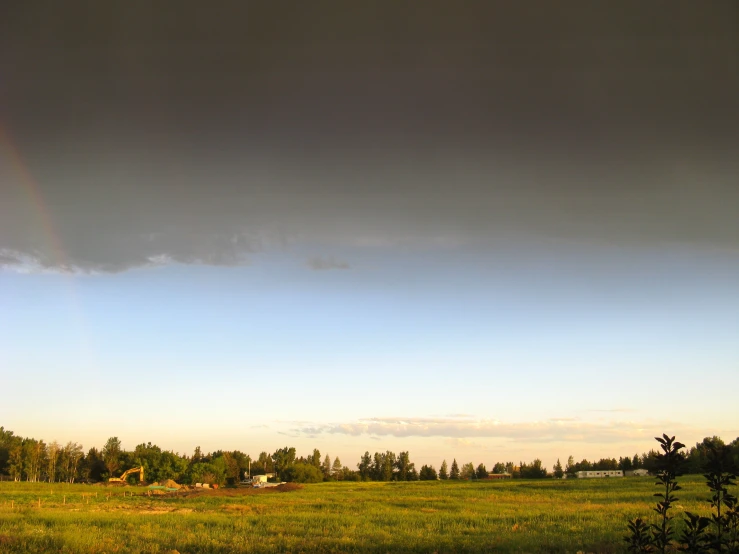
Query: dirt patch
(152, 510)
(171, 484)
(241, 508)
(241, 491)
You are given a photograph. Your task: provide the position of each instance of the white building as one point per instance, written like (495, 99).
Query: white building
(599, 474)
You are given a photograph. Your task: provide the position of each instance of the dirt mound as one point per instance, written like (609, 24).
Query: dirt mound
(287, 487)
(171, 484)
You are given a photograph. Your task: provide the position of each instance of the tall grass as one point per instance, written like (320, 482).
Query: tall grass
(514, 516)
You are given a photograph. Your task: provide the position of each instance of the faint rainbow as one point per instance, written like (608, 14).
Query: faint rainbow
(36, 201)
(44, 220)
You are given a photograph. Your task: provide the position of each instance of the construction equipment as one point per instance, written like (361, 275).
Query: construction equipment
(122, 478)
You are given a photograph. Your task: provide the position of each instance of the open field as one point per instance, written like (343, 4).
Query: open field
(515, 516)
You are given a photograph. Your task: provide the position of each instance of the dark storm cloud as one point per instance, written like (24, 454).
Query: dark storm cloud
(8, 259)
(324, 264)
(136, 135)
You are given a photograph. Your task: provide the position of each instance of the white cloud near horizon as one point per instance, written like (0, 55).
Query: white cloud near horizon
(551, 430)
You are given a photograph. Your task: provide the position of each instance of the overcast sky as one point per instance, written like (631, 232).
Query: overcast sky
(488, 231)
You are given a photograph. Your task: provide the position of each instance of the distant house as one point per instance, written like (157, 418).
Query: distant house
(636, 473)
(599, 474)
(499, 476)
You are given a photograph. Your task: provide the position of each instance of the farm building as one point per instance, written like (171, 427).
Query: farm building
(599, 474)
(499, 476)
(636, 473)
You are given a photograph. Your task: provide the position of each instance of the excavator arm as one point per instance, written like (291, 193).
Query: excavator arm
(122, 478)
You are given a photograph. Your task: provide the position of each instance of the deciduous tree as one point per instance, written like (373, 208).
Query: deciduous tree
(365, 467)
(283, 458)
(570, 467)
(404, 467)
(111, 455)
(52, 459)
(468, 471)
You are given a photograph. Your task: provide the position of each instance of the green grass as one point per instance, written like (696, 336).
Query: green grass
(513, 516)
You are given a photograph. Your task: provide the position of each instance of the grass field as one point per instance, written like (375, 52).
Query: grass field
(513, 516)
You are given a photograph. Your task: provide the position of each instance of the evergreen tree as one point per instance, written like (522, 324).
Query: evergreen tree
(481, 472)
(326, 468)
(444, 471)
(428, 473)
(454, 473)
(558, 471)
(336, 469)
(93, 465)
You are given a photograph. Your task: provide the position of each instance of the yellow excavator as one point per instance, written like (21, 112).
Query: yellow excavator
(122, 478)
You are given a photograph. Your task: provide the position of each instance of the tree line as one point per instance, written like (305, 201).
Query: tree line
(29, 459)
